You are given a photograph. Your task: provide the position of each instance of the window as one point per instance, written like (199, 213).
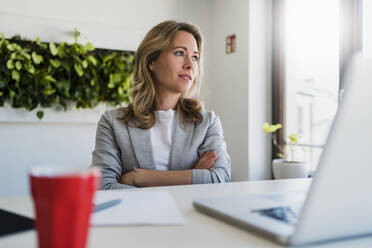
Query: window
(311, 71)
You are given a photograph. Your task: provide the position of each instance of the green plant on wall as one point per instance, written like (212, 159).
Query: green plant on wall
(36, 74)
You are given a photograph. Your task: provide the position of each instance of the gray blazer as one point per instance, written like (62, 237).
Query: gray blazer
(121, 148)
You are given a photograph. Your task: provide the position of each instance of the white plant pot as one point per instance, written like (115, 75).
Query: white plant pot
(286, 169)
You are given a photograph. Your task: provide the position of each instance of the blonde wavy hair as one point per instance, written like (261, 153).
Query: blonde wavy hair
(140, 113)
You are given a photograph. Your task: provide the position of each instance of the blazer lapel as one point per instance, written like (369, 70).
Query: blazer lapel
(141, 140)
(181, 140)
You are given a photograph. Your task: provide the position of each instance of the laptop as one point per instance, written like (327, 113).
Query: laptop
(338, 203)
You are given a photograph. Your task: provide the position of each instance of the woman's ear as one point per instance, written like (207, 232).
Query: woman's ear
(151, 66)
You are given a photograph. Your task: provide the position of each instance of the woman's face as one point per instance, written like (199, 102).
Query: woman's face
(177, 66)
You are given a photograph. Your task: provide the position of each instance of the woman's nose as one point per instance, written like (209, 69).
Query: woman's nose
(187, 67)
(188, 63)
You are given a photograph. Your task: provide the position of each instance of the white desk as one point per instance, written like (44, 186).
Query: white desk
(200, 230)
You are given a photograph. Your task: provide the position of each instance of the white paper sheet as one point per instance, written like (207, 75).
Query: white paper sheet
(137, 208)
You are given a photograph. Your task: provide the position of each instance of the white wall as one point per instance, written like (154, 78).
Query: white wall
(226, 83)
(121, 24)
(237, 86)
(116, 24)
(26, 144)
(259, 96)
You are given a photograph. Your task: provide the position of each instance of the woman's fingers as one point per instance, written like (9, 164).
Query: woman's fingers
(206, 156)
(210, 162)
(207, 160)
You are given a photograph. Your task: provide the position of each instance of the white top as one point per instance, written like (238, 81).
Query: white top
(161, 138)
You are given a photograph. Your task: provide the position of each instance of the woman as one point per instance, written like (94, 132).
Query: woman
(163, 137)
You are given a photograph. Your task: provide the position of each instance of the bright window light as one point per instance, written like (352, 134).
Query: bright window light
(311, 71)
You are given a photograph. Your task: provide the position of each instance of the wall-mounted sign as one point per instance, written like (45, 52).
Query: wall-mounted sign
(231, 44)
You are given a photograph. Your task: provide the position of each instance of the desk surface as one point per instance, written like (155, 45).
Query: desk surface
(199, 231)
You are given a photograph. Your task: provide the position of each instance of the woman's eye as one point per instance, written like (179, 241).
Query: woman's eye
(195, 58)
(179, 53)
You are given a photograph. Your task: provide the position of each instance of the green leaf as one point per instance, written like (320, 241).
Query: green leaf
(66, 66)
(65, 87)
(128, 84)
(55, 63)
(15, 75)
(293, 138)
(89, 46)
(44, 46)
(18, 65)
(30, 69)
(40, 114)
(271, 128)
(1, 93)
(76, 35)
(120, 91)
(77, 58)
(92, 60)
(61, 51)
(17, 47)
(10, 47)
(49, 91)
(116, 77)
(79, 70)
(65, 83)
(108, 57)
(111, 83)
(36, 58)
(26, 55)
(11, 95)
(49, 78)
(53, 49)
(93, 81)
(10, 64)
(84, 64)
(13, 56)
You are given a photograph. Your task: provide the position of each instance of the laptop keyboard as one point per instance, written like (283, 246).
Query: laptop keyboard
(286, 214)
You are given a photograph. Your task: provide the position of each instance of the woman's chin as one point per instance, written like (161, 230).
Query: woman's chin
(182, 90)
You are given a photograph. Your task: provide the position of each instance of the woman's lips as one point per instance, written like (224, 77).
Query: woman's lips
(185, 77)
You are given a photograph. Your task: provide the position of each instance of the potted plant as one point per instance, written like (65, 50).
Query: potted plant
(288, 163)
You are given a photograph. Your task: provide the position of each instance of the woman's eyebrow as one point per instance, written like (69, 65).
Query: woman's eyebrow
(184, 48)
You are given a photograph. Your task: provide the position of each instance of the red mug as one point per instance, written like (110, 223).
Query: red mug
(63, 203)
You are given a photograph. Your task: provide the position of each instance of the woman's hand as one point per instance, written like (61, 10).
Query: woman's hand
(135, 177)
(206, 161)
(128, 178)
